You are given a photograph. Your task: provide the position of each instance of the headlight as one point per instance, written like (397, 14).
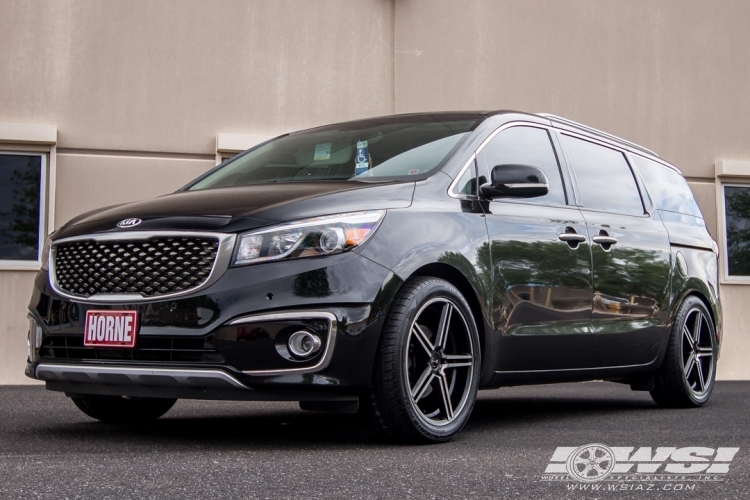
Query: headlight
(307, 238)
(45, 254)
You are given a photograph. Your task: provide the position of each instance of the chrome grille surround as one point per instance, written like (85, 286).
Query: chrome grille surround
(111, 267)
(157, 266)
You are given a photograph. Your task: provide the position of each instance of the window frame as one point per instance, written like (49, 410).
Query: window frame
(472, 163)
(562, 164)
(44, 204)
(724, 250)
(453, 188)
(639, 185)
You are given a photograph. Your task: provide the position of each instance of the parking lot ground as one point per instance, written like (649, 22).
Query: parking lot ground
(202, 449)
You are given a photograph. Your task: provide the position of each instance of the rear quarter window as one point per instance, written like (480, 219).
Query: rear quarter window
(668, 189)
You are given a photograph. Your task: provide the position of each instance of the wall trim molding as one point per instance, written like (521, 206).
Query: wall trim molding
(135, 154)
(28, 134)
(732, 168)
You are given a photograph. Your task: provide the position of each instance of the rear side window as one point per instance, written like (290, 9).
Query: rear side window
(669, 190)
(527, 146)
(604, 177)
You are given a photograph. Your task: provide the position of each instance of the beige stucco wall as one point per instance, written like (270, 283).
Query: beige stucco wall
(15, 291)
(168, 75)
(88, 182)
(139, 90)
(733, 364)
(705, 194)
(671, 75)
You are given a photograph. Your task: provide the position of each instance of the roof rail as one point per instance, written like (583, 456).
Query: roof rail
(596, 131)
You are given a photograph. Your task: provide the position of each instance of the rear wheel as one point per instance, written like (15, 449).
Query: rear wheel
(427, 369)
(120, 410)
(686, 378)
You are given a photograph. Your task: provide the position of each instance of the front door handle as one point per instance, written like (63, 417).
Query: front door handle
(572, 237)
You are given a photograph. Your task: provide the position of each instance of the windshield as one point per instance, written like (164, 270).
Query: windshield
(396, 148)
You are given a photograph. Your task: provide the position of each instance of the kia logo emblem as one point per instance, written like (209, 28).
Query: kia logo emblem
(129, 222)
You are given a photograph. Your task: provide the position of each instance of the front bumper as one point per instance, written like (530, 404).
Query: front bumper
(224, 343)
(173, 383)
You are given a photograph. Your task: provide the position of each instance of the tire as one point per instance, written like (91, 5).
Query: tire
(119, 410)
(424, 387)
(686, 377)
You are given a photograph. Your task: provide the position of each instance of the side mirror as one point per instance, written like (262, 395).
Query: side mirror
(520, 181)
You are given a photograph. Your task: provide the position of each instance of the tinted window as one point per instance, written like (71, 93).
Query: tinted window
(527, 146)
(737, 213)
(467, 183)
(20, 187)
(604, 177)
(669, 190)
(396, 148)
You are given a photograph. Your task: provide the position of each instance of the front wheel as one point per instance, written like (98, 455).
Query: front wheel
(686, 378)
(120, 410)
(427, 368)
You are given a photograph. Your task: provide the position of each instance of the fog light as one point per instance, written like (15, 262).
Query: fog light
(304, 344)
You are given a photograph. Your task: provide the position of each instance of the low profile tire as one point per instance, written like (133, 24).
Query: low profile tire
(686, 378)
(427, 367)
(119, 410)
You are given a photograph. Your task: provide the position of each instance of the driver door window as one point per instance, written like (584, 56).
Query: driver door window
(526, 146)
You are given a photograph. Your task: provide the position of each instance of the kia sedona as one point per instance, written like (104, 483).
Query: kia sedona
(391, 266)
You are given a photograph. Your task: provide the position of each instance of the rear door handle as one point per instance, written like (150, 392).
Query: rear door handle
(604, 240)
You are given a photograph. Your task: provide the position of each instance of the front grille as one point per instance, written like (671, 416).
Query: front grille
(147, 349)
(153, 267)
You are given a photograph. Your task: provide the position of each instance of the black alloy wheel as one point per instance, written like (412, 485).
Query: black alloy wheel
(687, 375)
(427, 371)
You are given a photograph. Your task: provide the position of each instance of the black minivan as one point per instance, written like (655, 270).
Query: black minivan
(391, 266)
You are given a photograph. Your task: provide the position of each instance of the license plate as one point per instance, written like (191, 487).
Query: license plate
(110, 328)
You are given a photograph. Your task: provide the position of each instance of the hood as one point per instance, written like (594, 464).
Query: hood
(242, 208)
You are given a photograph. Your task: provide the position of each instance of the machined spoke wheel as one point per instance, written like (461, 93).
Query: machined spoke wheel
(427, 370)
(686, 377)
(439, 361)
(697, 352)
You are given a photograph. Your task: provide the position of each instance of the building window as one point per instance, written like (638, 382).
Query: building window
(227, 156)
(23, 178)
(737, 220)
